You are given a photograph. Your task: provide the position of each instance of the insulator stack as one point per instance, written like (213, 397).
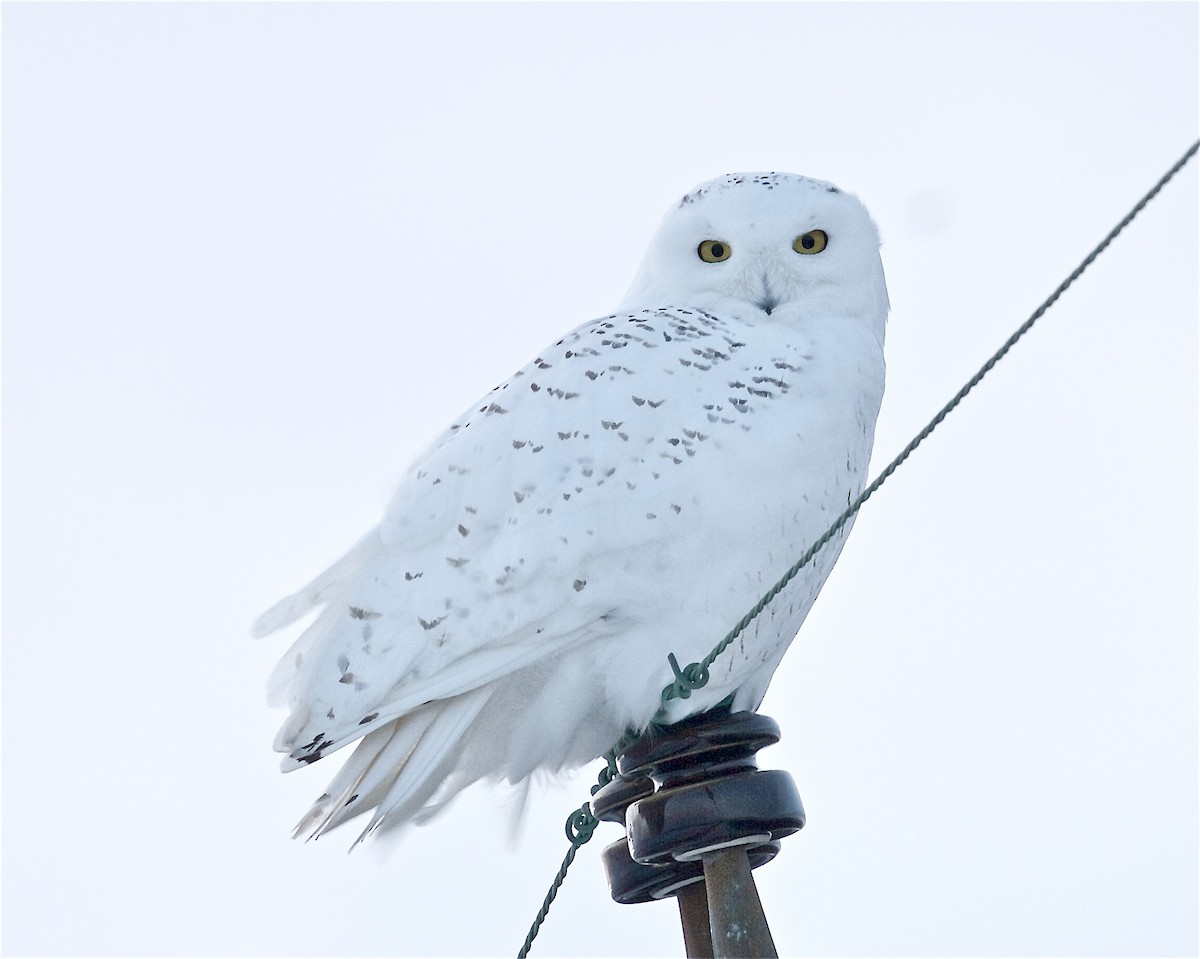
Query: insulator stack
(694, 802)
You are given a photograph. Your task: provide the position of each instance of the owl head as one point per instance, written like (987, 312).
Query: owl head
(765, 247)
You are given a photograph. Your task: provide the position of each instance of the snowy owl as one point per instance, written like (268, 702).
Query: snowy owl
(630, 493)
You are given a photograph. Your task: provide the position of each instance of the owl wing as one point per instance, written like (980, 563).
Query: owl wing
(506, 541)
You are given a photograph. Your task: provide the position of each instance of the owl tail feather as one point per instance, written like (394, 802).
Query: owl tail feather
(398, 768)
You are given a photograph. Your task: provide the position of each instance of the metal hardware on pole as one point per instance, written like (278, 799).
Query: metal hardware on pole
(736, 918)
(693, 914)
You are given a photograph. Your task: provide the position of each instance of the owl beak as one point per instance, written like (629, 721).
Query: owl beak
(768, 301)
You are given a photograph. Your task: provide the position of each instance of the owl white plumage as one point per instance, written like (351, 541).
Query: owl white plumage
(630, 493)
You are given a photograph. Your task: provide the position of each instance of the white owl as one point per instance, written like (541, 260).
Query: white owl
(630, 493)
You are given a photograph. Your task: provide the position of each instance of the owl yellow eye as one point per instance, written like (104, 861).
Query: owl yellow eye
(714, 251)
(814, 241)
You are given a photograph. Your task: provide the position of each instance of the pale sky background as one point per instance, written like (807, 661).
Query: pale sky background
(255, 256)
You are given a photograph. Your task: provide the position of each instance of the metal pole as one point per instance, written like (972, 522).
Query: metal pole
(693, 912)
(739, 925)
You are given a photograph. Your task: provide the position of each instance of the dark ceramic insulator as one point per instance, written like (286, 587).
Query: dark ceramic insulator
(628, 881)
(709, 791)
(632, 882)
(610, 801)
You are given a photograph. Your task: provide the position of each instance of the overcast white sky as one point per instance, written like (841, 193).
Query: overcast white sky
(243, 243)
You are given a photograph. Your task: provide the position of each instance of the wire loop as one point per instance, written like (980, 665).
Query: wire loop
(580, 825)
(692, 676)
